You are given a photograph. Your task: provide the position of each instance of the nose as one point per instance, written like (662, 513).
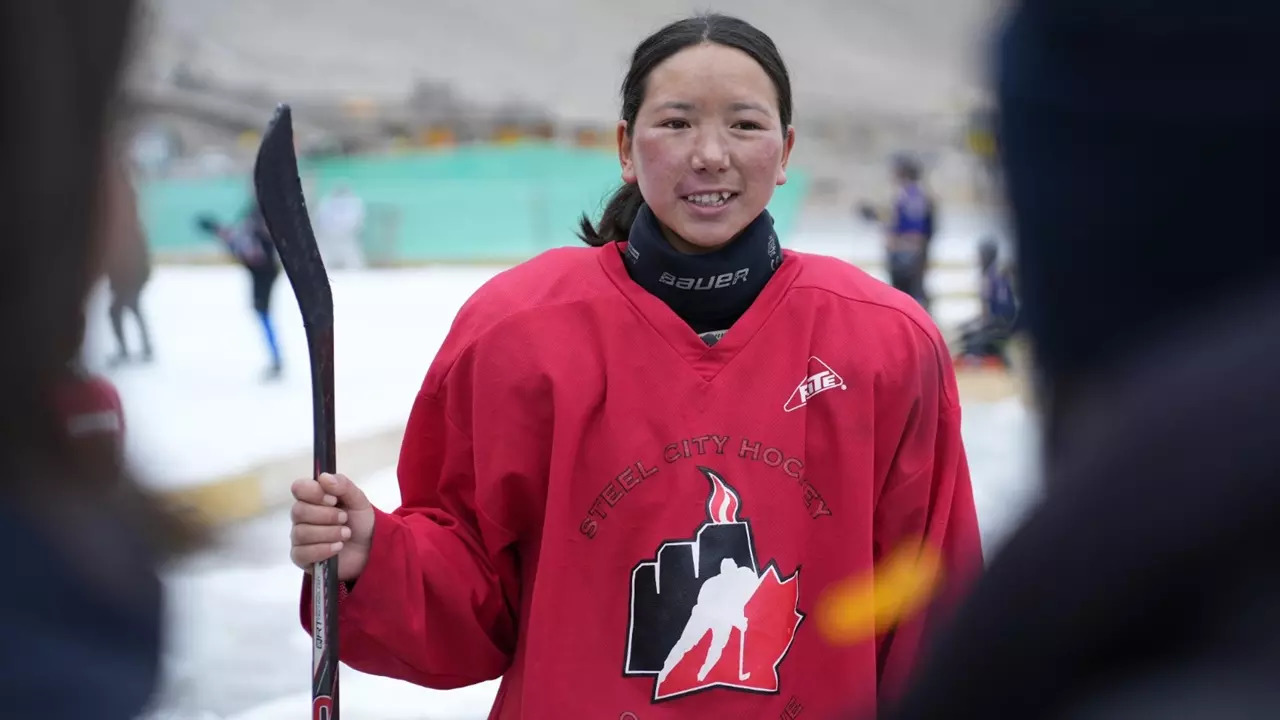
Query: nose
(710, 151)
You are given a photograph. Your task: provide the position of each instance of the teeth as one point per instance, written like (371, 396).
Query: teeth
(710, 199)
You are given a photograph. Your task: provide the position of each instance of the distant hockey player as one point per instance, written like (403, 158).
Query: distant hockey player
(543, 460)
(908, 229)
(250, 242)
(128, 267)
(984, 339)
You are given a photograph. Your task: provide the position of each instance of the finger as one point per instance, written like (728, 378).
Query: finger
(341, 487)
(315, 534)
(304, 556)
(309, 514)
(308, 491)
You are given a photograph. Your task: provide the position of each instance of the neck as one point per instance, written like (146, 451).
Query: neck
(708, 290)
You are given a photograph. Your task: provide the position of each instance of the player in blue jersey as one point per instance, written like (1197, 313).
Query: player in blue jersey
(250, 242)
(910, 231)
(984, 339)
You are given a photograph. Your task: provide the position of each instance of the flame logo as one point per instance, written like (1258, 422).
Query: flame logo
(723, 504)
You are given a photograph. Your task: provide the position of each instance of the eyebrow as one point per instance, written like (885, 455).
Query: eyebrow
(736, 107)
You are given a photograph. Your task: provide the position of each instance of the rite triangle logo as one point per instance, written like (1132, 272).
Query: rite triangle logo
(820, 379)
(705, 615)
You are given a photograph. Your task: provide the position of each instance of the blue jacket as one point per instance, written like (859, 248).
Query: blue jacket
(80, 627)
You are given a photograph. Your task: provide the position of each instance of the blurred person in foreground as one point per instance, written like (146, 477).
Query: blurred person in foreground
(623, 454)
(81, 619)
(1148, 583)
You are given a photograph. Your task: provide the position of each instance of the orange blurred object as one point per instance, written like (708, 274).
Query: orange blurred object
(858, 609)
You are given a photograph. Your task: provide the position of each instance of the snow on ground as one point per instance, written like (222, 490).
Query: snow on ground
(236, 649)
(200, 411)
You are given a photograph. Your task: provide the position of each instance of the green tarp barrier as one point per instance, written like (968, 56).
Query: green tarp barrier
(470, 204)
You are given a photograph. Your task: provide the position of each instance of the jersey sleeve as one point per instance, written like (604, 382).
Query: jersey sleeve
(926, 515)
(435, 605)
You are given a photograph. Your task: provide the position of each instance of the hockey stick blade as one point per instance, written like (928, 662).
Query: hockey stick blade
(279, 189)
(280, 198)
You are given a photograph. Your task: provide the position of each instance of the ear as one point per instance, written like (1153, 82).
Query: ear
(789, 143)
(624, 154)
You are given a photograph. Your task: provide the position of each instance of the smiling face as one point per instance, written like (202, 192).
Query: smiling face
(707, 147)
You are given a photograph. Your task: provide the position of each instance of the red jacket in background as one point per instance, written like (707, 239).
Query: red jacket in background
(623, 522)
(91, 409)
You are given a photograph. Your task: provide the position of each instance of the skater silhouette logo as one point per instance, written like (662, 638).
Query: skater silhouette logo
(703, 613)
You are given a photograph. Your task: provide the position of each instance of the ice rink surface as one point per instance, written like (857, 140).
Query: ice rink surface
(236, 649)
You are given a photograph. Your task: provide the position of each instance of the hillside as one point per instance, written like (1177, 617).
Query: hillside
(870, 77)
(896, 57)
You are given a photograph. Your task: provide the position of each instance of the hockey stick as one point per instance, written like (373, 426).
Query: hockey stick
(279, 189)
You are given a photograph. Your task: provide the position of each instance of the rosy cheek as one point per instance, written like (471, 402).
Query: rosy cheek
(762, 158)
(655, 155)
(764, 170)
(657, 167)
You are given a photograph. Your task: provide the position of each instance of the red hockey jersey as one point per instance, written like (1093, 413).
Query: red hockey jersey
(626, 523)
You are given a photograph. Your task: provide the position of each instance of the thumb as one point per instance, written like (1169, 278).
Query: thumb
(350, 497)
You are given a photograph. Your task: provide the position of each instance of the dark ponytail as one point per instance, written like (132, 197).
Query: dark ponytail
(624, 205)
(615, 221)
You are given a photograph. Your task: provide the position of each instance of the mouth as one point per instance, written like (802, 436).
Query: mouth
(710, 201)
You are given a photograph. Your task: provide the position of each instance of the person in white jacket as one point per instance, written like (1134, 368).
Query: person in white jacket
(339, 225)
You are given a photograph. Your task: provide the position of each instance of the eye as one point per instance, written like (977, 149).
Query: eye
(675, 124)
(748, 125)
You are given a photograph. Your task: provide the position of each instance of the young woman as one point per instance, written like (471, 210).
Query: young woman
(633, 469)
